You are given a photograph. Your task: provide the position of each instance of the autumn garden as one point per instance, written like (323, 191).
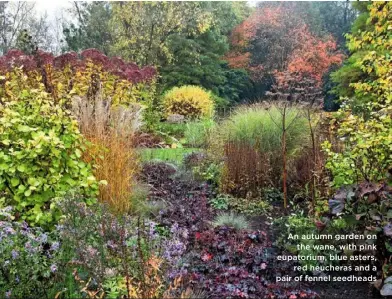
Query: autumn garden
(169, 149)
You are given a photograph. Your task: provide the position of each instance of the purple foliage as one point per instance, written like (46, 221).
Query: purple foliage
(187, 198)
(227, 263)
(44, 57)
(16, 58)
(65, 59)
(115, 65)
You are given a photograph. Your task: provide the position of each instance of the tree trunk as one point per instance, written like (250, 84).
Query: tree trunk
(284, 154)
(314, 161)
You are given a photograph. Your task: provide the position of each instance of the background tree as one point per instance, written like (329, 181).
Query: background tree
(301, 82)
(143, 30)
(351, 70)
(14, 16)
(26, 43)
(91, 30)
(336, 18)
(198, 58)
(20, 25)
(265, 41)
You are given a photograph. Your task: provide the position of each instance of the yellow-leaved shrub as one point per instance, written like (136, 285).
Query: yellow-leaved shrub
(190, 101)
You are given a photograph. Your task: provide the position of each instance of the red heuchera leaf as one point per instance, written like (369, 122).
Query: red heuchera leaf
(234, 264)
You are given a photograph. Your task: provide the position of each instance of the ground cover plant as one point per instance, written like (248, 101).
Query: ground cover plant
(169, 150)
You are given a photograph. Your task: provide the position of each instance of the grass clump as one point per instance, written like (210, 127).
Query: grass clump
(232, 220)
(110, 132)
(251, 139)
(175, 155)
(261, 128)
(197, 133)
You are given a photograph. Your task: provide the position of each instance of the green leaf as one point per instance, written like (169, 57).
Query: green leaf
(14, 182)
(24, 128)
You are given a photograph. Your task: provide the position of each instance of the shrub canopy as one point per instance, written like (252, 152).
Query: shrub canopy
(189, 101)
(40, 154)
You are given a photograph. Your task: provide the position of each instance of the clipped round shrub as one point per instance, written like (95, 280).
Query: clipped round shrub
(41, 152)
(190, 101)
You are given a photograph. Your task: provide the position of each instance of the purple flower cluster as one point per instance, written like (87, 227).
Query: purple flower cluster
(22, 245)
(103, 241)
(53, 268)
(55, 246)
(175, 245)
(14, 254)
(115, 65)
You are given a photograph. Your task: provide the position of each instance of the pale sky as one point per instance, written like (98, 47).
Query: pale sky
(54, 8)
(51, 6)
(58, 7)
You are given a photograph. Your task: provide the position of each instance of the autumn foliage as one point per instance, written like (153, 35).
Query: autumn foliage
(273, 40)
(314, 56)
(72, 74)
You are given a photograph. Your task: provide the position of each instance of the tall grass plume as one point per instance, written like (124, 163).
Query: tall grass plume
(110, 131)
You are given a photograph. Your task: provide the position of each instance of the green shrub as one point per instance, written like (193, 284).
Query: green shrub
(40, 156)
(220, 202)
(189, 101)
(209, 170)
(171, 131)
(219, 102)
(245, 206)
(364, 121)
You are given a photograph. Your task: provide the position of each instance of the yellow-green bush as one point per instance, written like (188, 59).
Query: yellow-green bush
(41, 152)
(189, 101)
